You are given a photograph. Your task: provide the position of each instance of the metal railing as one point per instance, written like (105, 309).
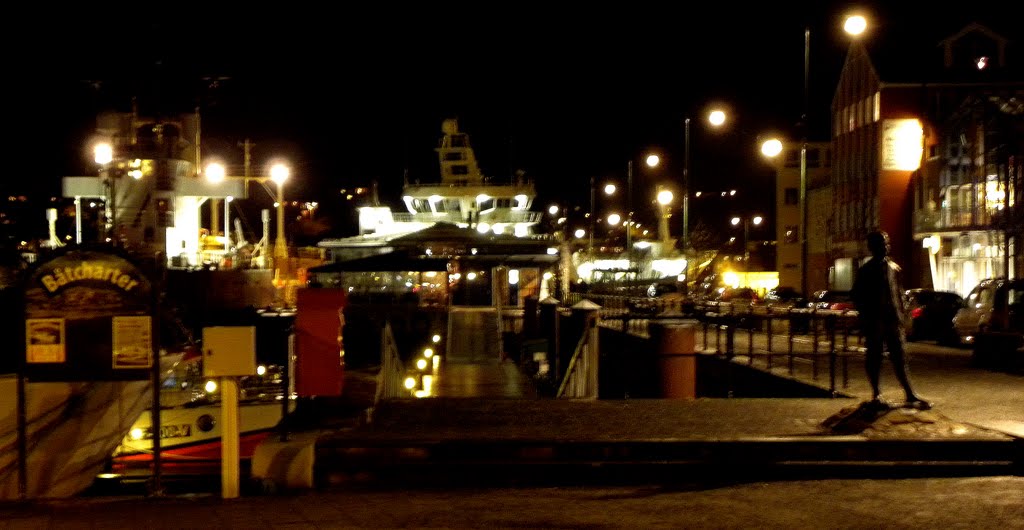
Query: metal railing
(389, 379)
(818, 340)
(578, 382)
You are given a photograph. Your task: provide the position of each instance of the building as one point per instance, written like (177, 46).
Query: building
(928, 142)
(788, 229)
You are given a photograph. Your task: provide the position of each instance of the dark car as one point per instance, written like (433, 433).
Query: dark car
(930, 315)
(831, 299)
(785, 297)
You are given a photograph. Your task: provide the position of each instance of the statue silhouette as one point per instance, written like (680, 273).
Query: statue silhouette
(878, 297)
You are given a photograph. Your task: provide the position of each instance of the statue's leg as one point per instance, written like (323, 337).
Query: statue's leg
(873, 361)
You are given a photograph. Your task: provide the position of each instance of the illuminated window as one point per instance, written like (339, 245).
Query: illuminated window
(878, 106)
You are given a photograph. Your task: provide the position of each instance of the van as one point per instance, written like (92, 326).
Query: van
(992, 320)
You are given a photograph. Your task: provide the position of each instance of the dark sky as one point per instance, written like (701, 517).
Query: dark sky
(352, 94)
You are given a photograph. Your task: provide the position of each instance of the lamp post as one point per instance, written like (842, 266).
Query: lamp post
(103, 154)
(854, 25)
(279, 174)
(757, 220)
(716, 118)
(664, 200)
(227, 223)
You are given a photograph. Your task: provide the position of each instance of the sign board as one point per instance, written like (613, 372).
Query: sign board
(902, 144)
(88, 317)
(229, 351)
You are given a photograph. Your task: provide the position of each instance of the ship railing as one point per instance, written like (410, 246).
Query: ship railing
(580, 381)
(497, 216)
(389, 379)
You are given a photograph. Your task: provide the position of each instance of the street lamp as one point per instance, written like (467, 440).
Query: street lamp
(716, 118)
(664, 200)
(279, 173)
(652, 160)
(854, 25)
(103, 154)
(757, 220)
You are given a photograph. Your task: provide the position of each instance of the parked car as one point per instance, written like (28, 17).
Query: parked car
(992, 320)
(738, 295)
(831, 299)
(785, 297)
(930, 315)
(976, 314)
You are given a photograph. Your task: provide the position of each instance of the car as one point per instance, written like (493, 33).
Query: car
(930, 315)
(738, 294)
(976, 314)
(785, 297)
(832, 300)
(992, 321)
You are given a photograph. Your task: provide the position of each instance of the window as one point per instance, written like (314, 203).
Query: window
(878, 106)
(454, 156)
(791, 196)
(792, 158)
(460, 169)
(813, 158)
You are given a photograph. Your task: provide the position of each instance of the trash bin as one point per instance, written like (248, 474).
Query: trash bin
(674, 344)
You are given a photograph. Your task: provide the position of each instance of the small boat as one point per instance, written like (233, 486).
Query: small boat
(190, 421)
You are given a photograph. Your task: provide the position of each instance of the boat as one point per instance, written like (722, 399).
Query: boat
(190, 422)
(464, 197)
(150, 186)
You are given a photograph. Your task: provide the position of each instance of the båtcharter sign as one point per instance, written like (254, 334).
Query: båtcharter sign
(88, 317)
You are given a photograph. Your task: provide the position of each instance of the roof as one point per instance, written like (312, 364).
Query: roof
(918, 55)
(393, 261)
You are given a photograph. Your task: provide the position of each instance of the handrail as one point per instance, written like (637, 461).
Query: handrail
(389, 379)
(575, 384)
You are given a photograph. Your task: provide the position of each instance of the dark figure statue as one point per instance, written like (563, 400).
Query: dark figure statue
(878, 297)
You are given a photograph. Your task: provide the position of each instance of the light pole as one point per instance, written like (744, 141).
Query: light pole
(716, 118)
(103, 154)
(803, 163)
(629, 213)
(854, 25)
(279, 174)
(227, 223)
(757, 220)
(664, 200)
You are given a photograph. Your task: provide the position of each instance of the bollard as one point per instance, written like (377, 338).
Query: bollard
(531, 325)
(674, 344)
(549, 329)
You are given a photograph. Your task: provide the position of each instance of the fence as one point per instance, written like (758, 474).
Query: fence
(764, 334)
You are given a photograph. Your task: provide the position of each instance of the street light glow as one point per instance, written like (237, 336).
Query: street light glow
(279, 173)
(553, 209)
(103, 153)
(609, 189)
(735, 221)
(771, 148)
(215, 173)
(664, 197)
(757, 220)
(855, 24)
(653, 160)
(614, 219)
(716, 118)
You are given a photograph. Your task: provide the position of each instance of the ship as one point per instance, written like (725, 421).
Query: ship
(57, 434)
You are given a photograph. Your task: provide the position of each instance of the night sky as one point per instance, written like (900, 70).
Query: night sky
(351, 95)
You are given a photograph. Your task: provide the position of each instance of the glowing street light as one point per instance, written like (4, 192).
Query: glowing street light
(279, 173)
(609, 189)
(771, 148)
(215, 173)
